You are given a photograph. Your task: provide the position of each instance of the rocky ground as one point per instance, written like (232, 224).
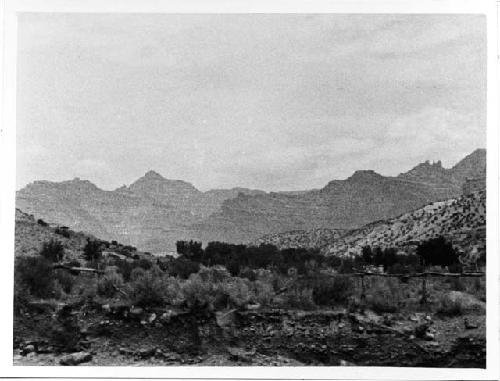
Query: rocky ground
(120, 335)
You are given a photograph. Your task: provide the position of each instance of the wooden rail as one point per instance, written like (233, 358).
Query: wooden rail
(420, 275)
(77, 269)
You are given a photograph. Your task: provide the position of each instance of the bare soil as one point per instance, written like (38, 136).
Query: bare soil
(258, 337)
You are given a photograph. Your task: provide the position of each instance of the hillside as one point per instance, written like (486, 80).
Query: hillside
(461, 220)
(30, 236)
(154, 212)
(315, 238)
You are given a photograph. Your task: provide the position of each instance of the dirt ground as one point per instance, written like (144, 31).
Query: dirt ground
(116, 337)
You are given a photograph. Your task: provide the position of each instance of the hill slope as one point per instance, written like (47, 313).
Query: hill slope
(461, 220)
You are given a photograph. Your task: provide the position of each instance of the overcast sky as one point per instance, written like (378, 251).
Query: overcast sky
(276, 102)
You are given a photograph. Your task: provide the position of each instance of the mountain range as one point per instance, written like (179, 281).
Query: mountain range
(154, 212)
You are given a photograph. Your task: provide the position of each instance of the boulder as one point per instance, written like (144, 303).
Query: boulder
(76, 358)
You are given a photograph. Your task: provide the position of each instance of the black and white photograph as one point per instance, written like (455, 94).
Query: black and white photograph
(252, 189)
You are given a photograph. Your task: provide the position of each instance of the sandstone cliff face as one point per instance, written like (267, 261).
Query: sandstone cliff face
(154, 212)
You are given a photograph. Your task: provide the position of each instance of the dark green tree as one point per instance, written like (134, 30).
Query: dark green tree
(53, 251)
(92, 251)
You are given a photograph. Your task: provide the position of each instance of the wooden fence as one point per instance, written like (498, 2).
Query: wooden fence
(406, 277)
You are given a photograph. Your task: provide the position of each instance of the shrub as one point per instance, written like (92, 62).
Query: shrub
(65, 280)
(457, 284)
(381, 303)
(183, 267)
(63, 232)
(21, 296)
(52, 251)
(334, 290)
(449, 306)
(109, 283)
(456, 303)
(37, 274)
(147, 288)
(263, 292)
(299, 298)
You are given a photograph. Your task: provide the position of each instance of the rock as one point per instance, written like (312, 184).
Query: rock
(136, 312)
(106, 308)
(469, 325)
(146, 352)
(413, 318)
(345, 363)
(428, 336)
(76, 358)
(253, 307)
(125, 351)
(237, 354)
(28, 349)
(151, 318)
(428, 318)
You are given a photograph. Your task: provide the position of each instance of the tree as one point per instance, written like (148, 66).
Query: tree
(437, 251)
(92, 251)
(191, 250)
(52, 251)
(367, 255)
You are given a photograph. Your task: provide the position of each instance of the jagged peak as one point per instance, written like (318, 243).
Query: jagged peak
(151, 174)
(365, 174)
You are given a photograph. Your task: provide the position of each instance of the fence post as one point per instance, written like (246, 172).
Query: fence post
(424, 289)
(363, 293)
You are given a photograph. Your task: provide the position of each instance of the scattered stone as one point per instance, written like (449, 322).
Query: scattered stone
(125, 351)
(136, 312)
(237, 354)
(429, 336)
(76, 358)
(28, 349)
(346, 363)
(253, 307)
(146, 352)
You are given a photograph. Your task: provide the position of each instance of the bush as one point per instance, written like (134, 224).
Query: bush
(147, 288)
(329, 291)
(36, 274)
(65, 280)
(381, 303)
(456, 303)
(449, 306)
(63, 232)
(53, 251)
(183, 267)
(299, 298)
(109, 283)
